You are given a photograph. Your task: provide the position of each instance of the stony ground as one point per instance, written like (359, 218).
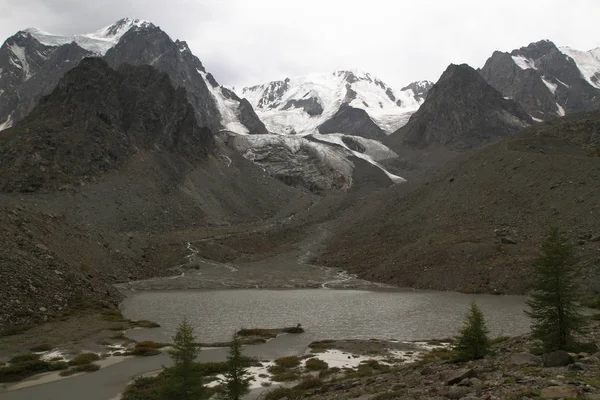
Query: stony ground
(512, 373)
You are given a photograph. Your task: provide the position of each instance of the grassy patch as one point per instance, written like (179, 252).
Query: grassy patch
(41, 347)
(113, 316)
(15, 330)
(84, 358)
(389, 396)
(320, 346)
(436, 355)
(281, 393)
(286, 376)
(309, 383)
(268, 333)
(293, 329)
(80, 368)
(25, 365)
(144, 323)
(264, 333)
(160, 387)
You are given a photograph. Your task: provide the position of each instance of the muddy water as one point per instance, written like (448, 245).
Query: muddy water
(324, 313)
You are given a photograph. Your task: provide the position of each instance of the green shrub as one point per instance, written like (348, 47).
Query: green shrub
(288, 362)
(314, 364)
(84, 358)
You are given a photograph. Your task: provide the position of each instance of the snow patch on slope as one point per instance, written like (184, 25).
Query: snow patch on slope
(524, 62)
(551, 86)
(98, 42)
(588, 63)
(227, 108)
(6, 124)
(561, 110)
(21, 60)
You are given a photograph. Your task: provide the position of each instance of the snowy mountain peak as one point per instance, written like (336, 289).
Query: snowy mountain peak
(98, 42)
(300, 105)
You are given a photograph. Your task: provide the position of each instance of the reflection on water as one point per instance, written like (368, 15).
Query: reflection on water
(325, 314)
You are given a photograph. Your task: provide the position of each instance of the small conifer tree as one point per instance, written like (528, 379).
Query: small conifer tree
(236, 377)
(185, 384)
(472, 342)
(553, 300)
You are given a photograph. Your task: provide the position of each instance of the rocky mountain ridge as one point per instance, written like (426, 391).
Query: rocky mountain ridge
(461, 111)
(33, 61)
(547, 81)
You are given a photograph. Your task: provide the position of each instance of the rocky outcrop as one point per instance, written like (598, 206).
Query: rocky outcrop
(352, 121)
(461, 111)
(93, 122)
(544, 80)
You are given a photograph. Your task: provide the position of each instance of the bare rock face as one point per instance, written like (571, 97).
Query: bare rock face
(542, 79)
(93, 122)
(352, 121)
(461, 111)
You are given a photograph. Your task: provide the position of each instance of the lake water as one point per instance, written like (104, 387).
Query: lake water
(323, 313)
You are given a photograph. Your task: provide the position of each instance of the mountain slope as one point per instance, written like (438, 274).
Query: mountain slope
(307, 105)
(461, 111)
(94, 121)
(477, 227)
(545, 80)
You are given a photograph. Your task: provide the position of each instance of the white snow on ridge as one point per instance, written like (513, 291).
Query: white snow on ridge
(227, 108)
(588, 63)
(273, 102)
(551, 86)
(98, 42)
(561, 110)
(523, 62)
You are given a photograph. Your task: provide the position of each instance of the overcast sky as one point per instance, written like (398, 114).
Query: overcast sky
(245, 42)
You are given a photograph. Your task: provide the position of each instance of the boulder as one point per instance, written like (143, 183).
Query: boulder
(561, 392)
(461, 374)
(559, 358)
(524, 359)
